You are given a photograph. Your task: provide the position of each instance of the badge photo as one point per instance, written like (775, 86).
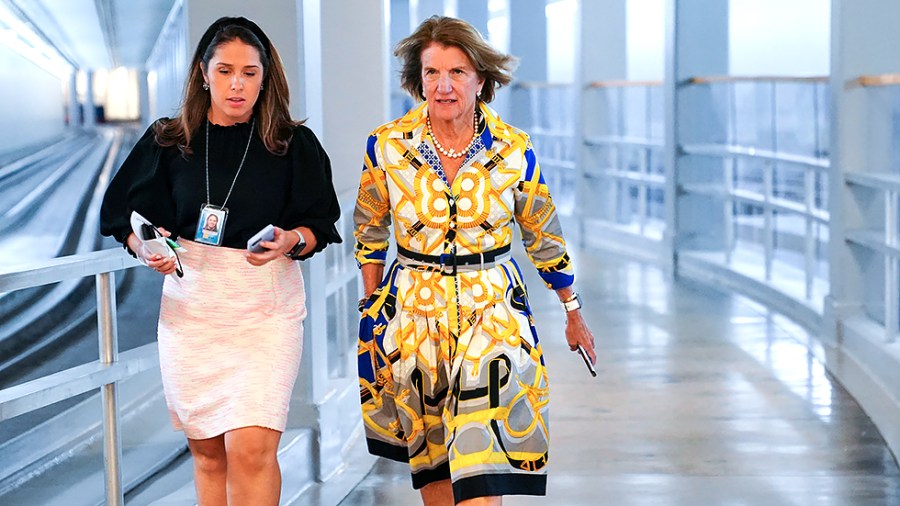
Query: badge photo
(211, 226)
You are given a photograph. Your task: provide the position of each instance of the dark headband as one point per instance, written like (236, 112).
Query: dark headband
(241, 21)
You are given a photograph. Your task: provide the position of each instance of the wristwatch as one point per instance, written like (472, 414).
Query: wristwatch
(573, 303)
(297, 247)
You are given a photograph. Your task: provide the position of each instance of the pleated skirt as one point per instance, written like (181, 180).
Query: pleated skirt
(230, 339)
(453, 381)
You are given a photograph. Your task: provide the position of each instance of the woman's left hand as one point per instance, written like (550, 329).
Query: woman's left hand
(577, 332)
(282, 243)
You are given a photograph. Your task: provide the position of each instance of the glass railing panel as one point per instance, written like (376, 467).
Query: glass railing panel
(656, 113)
(751, 114)
(821, 237)
(747, 175)
(789, 238)
(820, 191)
(823, 120)
(655, 223)
(770, 134)
(788, 182)
(797, 117)
(551, 122)
(564, 191)
(623, 155)
(633, 159)
(656, 207)
(749, 229)
(635, 108)
(657, 164)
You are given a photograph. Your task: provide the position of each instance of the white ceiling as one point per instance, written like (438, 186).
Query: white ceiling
(99, 34)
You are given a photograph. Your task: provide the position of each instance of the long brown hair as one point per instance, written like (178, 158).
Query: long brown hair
(491, 65)
(272, 108)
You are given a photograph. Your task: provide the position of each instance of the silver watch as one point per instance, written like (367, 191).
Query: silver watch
(573, 304)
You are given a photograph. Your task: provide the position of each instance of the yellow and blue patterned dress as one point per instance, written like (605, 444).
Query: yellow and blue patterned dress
(452, 376)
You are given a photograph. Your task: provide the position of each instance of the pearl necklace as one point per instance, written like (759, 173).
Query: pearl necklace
(451, 153)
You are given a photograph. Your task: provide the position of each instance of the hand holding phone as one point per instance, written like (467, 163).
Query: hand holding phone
(587, 361)
(266, 234)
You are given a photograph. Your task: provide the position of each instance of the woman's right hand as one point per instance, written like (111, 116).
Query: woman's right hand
(155, 261)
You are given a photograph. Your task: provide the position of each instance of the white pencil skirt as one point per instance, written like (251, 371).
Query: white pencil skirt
(230, 338)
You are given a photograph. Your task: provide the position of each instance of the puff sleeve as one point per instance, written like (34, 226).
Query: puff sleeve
(312, 202)
(140, 184)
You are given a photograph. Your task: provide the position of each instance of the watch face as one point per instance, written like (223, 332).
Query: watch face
(573, 304)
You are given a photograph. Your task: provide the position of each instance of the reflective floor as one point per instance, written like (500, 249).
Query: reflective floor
(702, 398)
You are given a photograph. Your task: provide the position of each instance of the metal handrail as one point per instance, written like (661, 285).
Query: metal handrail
(877, 80)
(731, 150)
(540, 84)
(760, 79)
(622, 140)
(102, 374)
(813, 166)
(623, 84)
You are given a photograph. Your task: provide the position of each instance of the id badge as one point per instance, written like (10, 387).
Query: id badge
(211, 226)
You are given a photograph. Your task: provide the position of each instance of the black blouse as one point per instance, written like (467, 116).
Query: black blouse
(287, 191)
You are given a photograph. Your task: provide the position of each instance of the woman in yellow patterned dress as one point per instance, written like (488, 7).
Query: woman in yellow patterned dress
(452, 377)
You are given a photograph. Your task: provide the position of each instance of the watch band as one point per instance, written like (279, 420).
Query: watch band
(297, 247)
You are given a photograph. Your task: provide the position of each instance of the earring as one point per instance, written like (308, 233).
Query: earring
(206, 86)
(262, 87)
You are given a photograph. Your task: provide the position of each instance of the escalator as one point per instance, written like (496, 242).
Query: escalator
(49, 207)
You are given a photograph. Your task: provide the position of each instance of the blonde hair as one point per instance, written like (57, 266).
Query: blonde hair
(491, 65)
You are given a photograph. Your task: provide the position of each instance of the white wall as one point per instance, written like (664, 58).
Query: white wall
(767, 37)
(780, 37)
(561, 41)
(167, 69)
(354, 82)
(35, 108)
(646, 31)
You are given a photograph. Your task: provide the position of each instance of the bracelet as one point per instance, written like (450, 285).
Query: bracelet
(571, 297)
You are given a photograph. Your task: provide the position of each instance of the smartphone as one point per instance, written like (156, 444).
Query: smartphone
(266, 234)
(149, 232)
(587, 361)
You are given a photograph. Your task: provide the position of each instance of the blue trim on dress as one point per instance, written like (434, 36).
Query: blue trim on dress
(370, 150)
(557, 280)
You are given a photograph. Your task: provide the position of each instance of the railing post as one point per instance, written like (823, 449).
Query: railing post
(810, 261)
(890, 267)
(109, 353)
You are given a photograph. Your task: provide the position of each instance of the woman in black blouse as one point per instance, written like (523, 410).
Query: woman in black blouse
(230, 329)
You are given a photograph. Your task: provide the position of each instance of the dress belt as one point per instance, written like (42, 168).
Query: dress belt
(452, 261)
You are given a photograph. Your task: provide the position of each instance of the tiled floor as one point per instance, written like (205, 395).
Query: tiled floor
(702, 398)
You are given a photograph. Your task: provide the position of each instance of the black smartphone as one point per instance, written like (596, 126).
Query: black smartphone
(587, 361)
(149, 232)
